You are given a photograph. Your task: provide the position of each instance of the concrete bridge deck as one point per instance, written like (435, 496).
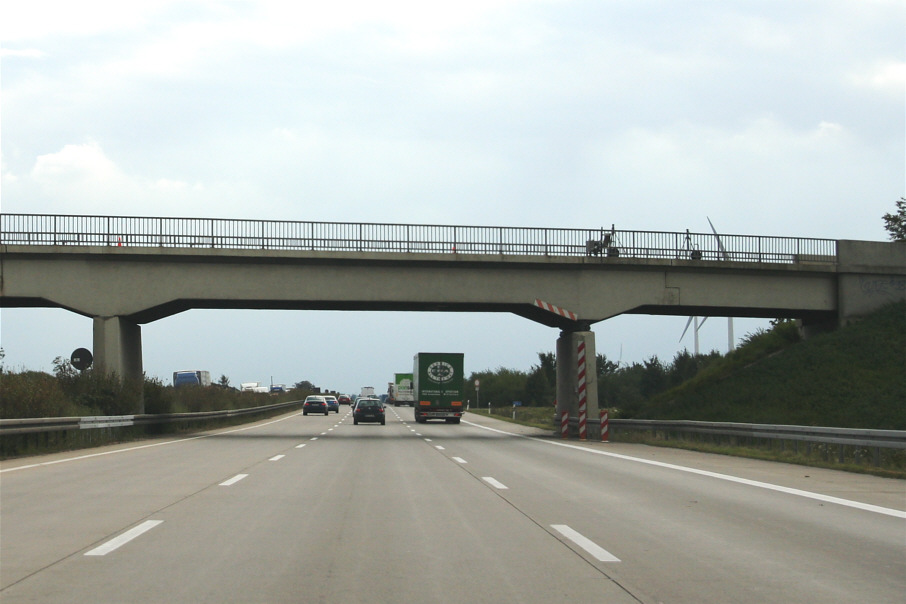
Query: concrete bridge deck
(124, 272)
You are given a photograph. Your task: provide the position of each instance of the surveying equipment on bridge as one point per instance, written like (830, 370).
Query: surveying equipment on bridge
(605, 244)
(694, 252)
(81, 359)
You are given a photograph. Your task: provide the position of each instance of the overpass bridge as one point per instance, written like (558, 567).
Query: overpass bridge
(126, 271)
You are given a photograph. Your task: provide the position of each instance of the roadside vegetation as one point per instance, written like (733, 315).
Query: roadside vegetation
(854, 377)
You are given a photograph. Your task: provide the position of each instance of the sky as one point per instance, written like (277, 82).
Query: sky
(779, 118)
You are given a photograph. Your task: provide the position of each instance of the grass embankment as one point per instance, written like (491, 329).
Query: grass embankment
(854, 377)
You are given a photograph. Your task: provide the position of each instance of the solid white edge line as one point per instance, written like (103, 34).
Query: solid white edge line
(116, 542)
(494, 482)
(596, 551)
(752, 483)
(233, 480)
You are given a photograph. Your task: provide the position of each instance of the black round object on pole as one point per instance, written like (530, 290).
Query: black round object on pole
(81, 359)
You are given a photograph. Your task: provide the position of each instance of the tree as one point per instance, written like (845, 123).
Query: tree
(605, 367)
(547, 364)
(304, 386)
(224, 381)
(895, 224)
(63, 369)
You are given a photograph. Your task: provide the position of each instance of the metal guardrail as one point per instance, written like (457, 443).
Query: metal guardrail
(893, 439)
(218, 233)
(54, 424)
(853, 437)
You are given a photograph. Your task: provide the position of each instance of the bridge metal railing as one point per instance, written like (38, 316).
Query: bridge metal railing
(222, 233)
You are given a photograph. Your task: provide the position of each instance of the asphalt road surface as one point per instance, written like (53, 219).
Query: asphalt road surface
(315, 509)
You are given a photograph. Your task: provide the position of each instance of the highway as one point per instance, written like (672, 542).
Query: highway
(314, 509)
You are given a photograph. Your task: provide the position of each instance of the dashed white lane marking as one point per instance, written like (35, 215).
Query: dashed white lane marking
(123, 539)
(313, 438)
(459, 460)
(276, 457)
(596, 551)
(427, 440)
(438, 447)
(494, 482)
(300, 446)
(233, 480)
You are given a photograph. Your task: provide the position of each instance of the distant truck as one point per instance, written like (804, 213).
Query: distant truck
(401, 391)
(367, 391)
(438, 387)
(253, 387)
(191, 378)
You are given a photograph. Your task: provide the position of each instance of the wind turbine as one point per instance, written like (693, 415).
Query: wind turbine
(731, 341)
(694, 331)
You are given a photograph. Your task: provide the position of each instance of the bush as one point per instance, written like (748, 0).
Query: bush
(33, 394)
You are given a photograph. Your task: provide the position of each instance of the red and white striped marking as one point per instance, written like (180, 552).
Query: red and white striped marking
(605, 426)
(564, 424)
(556, 310)
(583, 395)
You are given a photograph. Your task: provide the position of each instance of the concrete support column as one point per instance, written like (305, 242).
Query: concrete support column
(568, 379)
(118, 347)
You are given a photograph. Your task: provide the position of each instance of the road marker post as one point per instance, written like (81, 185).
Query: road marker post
(583, 395)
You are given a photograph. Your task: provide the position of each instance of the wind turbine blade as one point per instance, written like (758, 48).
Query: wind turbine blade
(720, 244)
(702, 323)
(688, 323)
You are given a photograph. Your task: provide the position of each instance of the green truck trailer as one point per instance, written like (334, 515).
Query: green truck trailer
(438, 384)
(400, 391)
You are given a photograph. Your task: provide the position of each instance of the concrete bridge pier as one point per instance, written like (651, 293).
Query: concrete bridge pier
(570, 378)
(118, 350)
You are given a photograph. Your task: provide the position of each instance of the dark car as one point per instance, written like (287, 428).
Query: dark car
(332, 403)
(315, 404)
(368, 410)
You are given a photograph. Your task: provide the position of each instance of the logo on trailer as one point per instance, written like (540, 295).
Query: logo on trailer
(440, 372)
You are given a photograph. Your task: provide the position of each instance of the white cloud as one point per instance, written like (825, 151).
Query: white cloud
(25, 53)
(76, 163)
(888, 76)
(38, 19)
